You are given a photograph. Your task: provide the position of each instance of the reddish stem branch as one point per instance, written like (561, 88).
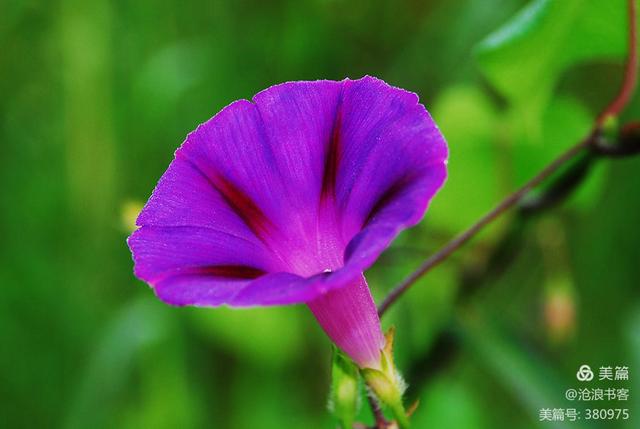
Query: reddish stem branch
(380, 421)
(613, 109)
(465, 236)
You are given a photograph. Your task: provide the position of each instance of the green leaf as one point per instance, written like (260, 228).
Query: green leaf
(473, 167)
(564, 123)
(525, 57)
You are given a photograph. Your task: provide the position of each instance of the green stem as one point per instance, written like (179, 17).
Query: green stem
(346, 424)
(400, 415)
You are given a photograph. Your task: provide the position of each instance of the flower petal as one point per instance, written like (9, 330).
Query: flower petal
(279, 289)
(399, 209)
(390, 144)
(185, 197)
(193, 265)
(231, 152)
(282, 185)
(369, 148)
(298, 120)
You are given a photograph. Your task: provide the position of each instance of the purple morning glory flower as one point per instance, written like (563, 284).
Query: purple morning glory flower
(289, 198)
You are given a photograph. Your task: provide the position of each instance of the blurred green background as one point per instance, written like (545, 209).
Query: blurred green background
(96, 96)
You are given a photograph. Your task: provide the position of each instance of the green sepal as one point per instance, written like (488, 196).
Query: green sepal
(386, 384)
(345, 389)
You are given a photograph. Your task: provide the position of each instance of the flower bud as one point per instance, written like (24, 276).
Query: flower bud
(345, 389)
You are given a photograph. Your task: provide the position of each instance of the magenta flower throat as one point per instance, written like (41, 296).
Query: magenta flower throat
(289, 199)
